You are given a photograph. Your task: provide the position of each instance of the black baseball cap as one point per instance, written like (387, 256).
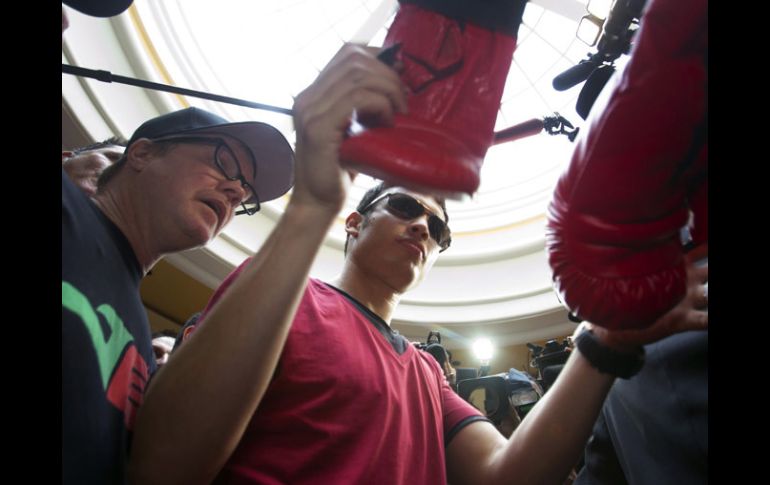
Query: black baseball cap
(99, 8)
(274, 174)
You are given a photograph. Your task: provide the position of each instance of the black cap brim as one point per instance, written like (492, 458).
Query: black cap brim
(99, 8)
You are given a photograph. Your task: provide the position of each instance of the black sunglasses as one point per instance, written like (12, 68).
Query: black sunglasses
(228, 164)
(407, 207)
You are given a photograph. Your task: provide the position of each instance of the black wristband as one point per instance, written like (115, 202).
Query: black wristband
(607, 360)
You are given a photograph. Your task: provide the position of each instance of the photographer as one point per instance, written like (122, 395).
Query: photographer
(442, 355)
(550, 359)
(507, 397)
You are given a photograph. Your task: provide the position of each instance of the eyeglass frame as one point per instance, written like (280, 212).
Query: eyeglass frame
(219, 143)
(425, 209)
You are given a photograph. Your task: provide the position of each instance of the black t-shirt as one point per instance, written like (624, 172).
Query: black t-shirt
(106, 348)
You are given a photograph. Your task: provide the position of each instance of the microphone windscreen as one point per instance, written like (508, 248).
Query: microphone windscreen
(574, 75)
(593, 86)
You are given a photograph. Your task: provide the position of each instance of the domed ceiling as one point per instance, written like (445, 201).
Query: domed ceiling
(493, 282)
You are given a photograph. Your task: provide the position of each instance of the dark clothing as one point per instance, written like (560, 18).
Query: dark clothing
(106, 349)
(653, 429)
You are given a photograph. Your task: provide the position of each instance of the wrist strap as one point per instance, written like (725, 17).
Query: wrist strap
(607, 360)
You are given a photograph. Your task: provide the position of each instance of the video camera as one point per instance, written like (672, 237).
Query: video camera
(549, 360)
(497, 395)
(433, 346)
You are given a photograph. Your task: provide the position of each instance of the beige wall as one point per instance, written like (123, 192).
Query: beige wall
(171, 297)
(158, 322)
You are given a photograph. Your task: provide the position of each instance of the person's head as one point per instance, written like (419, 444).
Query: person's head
(192, 170)
(444, 360)
(162, 345)
(84, 165)
(187, 329)
(398, 233)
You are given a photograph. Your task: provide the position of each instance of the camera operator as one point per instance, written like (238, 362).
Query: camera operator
(508, 397)
(433, 346)
(549, 360)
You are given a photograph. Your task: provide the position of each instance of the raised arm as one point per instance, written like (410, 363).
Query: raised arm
(197, 408)
(550, 439)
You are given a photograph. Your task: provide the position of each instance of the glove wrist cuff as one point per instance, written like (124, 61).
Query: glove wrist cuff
(608, 360)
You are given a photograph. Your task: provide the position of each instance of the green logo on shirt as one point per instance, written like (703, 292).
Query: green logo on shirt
(123, 370)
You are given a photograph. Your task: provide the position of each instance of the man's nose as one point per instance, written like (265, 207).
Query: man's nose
(234, 191)
(419, 227)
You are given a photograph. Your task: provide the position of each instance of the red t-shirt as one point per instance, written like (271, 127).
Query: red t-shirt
(345, 408)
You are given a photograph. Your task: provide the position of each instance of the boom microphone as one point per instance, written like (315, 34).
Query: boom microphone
(575, 74)
(593, 86)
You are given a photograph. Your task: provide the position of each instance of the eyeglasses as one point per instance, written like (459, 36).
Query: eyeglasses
(227, 163)
(407, 208)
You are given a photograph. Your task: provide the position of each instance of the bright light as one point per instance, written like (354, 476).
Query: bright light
(483, 349)
(599, 8)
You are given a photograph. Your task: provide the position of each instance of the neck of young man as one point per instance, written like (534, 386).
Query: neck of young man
(376, 292)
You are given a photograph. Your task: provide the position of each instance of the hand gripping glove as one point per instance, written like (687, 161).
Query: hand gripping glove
(615, 218)
(455, 55)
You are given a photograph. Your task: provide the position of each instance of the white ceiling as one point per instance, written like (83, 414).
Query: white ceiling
(493, 282)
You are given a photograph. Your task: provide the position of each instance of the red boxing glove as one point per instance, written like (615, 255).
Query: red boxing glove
(456, 55)
(613, 232)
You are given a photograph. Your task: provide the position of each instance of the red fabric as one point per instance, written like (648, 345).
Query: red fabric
(457, 74)
(614, 223)
(126, 390)
(344, 407)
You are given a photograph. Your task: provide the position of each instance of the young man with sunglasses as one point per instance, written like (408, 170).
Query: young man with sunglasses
(342, 355)
(286, 380)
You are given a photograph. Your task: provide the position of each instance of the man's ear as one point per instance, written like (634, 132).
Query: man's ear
(139, 154)
(65, 155)
(353, 223)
